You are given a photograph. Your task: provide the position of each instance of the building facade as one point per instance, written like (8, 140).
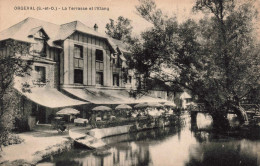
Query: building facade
(73, 66)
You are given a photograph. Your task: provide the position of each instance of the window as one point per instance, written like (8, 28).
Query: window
(78, 76)
(40, 47)
(78, 56)
(129, 79)
(188, 100)
(41, 74)
(138, 82)
(41, 34)
(99, 78)
(125, 77)
(99, 55)
(116, 79)
(116, 60)
(78, 63)
(78, 51)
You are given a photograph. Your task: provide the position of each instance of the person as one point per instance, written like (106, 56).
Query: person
(72, 118)
(61, 126)
(92, 121)
(134, 114)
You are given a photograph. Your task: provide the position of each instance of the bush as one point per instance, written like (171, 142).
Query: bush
(21, 124)
(12, 139)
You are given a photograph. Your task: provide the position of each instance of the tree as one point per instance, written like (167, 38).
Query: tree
(12, 64)
(120, 29)
(217, 58)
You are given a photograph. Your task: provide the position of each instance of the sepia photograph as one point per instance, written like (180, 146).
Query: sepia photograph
(129, 83)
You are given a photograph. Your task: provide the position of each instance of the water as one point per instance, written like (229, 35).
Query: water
(169, 146)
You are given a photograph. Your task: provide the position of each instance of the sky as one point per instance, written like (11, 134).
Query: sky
(10, 15)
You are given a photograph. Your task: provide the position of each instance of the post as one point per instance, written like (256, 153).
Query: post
(193, 115)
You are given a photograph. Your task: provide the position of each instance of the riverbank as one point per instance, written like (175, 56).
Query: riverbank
(44, 142)
(38, 145)
(168, 146)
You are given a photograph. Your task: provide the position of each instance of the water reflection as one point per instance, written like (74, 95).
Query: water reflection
(225, 153)
(169, 146)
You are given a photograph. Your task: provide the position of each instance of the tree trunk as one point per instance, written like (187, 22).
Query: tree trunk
(241, 114)
(220, 121)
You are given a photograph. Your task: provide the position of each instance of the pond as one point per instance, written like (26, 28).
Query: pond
(175, 146)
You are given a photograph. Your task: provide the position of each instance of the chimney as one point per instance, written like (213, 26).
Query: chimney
(96, 27)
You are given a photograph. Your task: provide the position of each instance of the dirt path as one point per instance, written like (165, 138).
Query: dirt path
(36, 146)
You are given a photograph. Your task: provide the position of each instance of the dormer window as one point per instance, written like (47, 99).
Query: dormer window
(116, 60)
(40, 37)
(40, 47)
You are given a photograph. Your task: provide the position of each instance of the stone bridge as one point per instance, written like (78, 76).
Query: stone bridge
(252, 111)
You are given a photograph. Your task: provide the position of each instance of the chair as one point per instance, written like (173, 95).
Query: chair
(134, 115)
(112, 117)
(80, 121)
(98, 118)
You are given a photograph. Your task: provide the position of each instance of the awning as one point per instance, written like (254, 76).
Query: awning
(123, 107)
(109, 96)
(68, 111)
(50, 97)
(122, 57)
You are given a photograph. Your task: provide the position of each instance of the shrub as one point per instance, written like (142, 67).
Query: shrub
(12, 139)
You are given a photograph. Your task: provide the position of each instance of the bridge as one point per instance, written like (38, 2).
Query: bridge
(252, 111)
(250, 108)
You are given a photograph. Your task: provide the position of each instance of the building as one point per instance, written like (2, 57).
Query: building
(73, 66)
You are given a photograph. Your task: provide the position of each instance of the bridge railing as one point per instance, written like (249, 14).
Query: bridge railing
(250, 108)
(198, 107)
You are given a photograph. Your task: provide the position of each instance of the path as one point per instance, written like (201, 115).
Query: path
(36, 145)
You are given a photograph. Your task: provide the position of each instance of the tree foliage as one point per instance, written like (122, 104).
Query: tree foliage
(120, 29)
(216, 58)
(12, 64)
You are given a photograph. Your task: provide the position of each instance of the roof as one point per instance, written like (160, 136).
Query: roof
(22, 30)
(109, 96)
(185, 95)
(121, 45)
(50, 97)
(67, 29)
(35, 30)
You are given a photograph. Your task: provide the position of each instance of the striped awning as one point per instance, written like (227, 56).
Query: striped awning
(109, 96)
(50, 97)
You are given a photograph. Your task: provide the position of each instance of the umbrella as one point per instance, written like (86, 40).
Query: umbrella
(169, 104)
(101, 108)
(123, 107)
(192, 103)
(156, 112)
(68, 111)
(144, 105)
(155, 105)
(141, 105)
